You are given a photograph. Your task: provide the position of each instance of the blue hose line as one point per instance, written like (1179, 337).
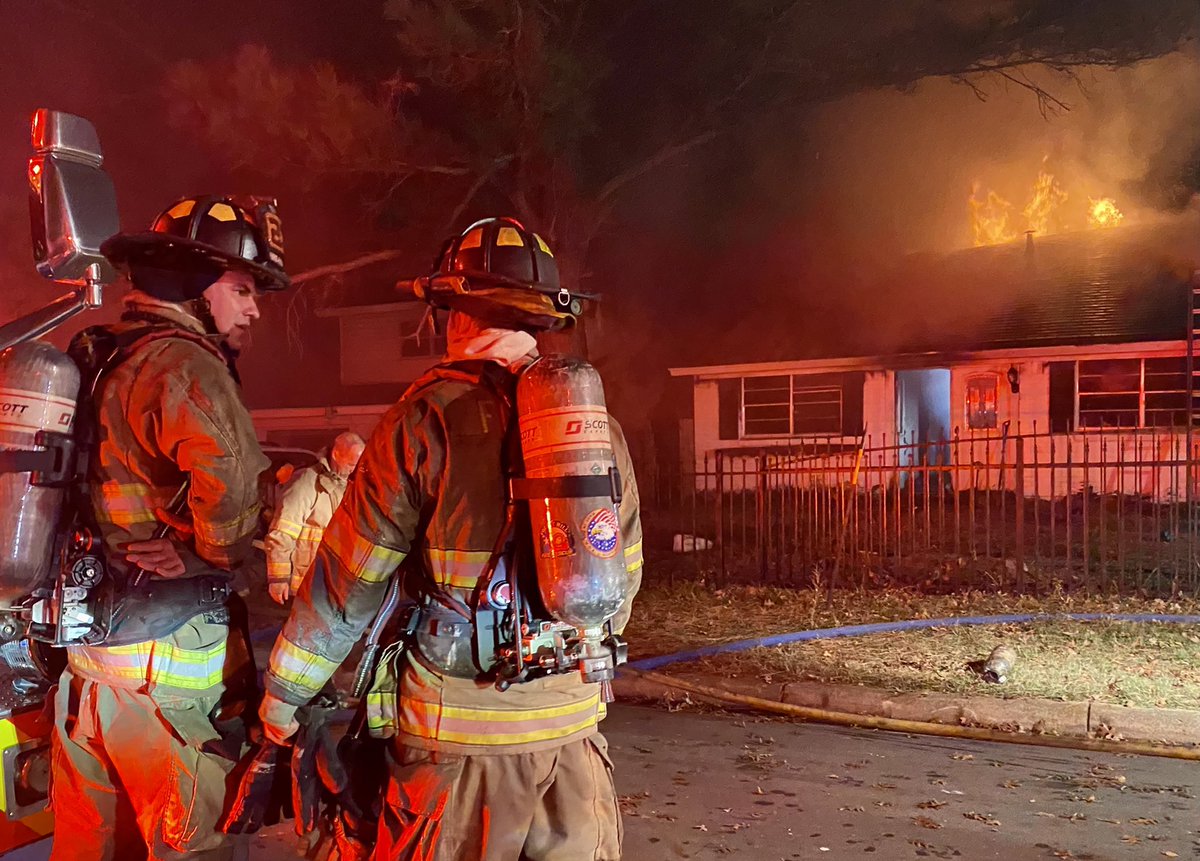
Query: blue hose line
(891, 627)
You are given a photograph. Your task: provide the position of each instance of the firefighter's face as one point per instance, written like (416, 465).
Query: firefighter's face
(233, 304)
(345, 458)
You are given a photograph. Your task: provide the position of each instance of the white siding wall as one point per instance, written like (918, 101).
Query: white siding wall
(1116, 460)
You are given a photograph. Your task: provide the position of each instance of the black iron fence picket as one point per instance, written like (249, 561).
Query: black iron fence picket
(1103, 511)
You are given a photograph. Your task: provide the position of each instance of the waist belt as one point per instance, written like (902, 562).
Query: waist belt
(158, 608)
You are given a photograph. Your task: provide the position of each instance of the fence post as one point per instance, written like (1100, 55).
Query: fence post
(1019, 508)
(761, 512)
(720, 518)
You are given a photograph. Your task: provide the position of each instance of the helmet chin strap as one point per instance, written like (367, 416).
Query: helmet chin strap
(202, 311)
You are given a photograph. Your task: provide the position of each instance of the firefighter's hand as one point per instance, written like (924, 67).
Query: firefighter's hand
(158, 556)
(280, 591)
(278, 718)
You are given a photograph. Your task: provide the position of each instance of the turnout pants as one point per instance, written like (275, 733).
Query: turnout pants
(131, 778)
(549, 805)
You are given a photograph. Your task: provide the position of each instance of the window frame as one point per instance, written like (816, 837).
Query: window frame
(839, 388)
(1080, 427)
(992, 378)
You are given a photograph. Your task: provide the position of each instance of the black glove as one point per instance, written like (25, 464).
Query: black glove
(259, 797)
(317, 771)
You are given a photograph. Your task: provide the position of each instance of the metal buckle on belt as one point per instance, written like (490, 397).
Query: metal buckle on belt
(441, 628)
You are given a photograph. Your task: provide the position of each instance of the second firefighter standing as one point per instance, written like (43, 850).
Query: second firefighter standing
(475, 772)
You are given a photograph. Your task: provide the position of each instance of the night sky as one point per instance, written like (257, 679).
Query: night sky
(781, 230)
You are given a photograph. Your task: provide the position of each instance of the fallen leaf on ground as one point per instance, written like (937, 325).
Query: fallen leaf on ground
(926, 822)
(982, 817)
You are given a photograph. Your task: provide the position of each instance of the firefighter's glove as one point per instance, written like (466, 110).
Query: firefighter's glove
(317, 772)
(278, 719)
(257, 799)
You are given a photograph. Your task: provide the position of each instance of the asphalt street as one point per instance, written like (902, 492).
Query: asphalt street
(705, 785)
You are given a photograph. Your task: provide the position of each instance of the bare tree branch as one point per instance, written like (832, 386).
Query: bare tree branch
(344, 267)
(480, 181)
(665, 154)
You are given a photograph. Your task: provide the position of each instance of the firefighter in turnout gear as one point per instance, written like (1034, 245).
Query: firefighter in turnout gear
(482, 765)
(141, 753)
(305, 505)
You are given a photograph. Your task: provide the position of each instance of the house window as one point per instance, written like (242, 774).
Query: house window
(767, 406)
(1132, 393)
(801, 404)
(981, 401)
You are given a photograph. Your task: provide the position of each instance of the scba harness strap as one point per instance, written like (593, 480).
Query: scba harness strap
(135, 608)
(128, 611)
(501, 600)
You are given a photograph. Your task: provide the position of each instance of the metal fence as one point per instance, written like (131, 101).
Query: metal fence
(1099, 511)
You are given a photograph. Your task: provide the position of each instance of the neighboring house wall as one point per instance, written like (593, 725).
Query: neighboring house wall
(380, 346)
(385, 343)
(315, 427)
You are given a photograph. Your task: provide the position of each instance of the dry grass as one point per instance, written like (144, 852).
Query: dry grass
(1124, 663)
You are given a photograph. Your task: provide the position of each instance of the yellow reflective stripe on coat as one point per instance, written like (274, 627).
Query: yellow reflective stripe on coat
(372, 563)
(464, 725)
(381, 696)
(300, 667)
(289, 528)
(155, 662)
(278, 572)
(228, 532)
(424, 713)
(460, 568)
(124, 505)
(633, 557)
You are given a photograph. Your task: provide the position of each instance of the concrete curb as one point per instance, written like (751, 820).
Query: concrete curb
(1024, 714)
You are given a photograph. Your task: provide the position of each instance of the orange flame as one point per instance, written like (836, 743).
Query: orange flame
(992, 220)
(1104, 212)
(989, 218)
(1041, 211)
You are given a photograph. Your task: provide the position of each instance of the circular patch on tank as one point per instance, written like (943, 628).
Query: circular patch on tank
(600, 533)
(557, 540)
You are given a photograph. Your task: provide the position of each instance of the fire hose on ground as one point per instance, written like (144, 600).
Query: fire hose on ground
(645, 669)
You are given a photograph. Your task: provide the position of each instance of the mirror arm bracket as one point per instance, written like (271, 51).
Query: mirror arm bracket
(36, 323)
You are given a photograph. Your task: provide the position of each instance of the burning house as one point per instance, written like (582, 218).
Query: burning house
(1068, 357)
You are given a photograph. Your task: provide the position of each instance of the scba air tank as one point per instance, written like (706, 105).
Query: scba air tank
(565, 431)
(39, 386)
